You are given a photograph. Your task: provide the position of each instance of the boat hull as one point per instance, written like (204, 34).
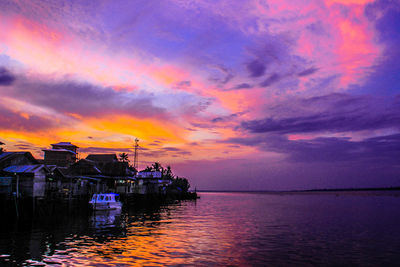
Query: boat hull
(106, 206)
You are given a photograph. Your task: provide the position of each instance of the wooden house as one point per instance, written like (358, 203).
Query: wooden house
(73, 182)
(109, 165)
(28, 180)
(16, 158)
(151, 182)
(61, 154)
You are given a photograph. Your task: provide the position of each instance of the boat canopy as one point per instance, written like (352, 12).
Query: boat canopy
(110, 197)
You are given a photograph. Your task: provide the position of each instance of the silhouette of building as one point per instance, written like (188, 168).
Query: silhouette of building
(16, 158)
(62, 154)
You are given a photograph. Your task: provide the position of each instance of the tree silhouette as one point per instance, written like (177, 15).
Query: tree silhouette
(181, 184)
(148, 169)
(1, 149)
(157, 166)
(123, 157)
(167, 173)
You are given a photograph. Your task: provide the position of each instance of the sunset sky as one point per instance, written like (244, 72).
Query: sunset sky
(234, 95)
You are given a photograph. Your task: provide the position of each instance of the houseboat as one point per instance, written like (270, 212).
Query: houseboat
(109, 201)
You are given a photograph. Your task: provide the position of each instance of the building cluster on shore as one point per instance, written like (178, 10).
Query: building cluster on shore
(61, 175)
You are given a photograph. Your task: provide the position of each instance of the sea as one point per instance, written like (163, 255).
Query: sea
(219, 229)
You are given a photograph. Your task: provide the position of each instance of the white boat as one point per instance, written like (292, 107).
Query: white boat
(109, 201)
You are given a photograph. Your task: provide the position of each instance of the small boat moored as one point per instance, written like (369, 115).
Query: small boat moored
(108, 201)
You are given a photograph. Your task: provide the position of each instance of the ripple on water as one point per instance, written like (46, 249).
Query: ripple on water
(220, 229)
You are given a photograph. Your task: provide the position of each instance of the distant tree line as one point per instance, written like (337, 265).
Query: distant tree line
(180, 184)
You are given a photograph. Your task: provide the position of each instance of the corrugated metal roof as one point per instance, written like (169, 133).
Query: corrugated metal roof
(59, 150)
(6, 154)
(24, 168)
(64, 144)
(102, 157)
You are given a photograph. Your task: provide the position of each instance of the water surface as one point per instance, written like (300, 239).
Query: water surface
(245, 229)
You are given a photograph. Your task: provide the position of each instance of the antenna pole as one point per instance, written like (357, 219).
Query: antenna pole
(136, 160)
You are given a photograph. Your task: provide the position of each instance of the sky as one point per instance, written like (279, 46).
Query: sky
(234, 95)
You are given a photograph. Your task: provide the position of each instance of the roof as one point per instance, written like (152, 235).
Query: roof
(51, 167)
(83, 166)
(87, 178)
(59, 150)
(8, 155)
(24, 168)
(102, 157)
(64, 144)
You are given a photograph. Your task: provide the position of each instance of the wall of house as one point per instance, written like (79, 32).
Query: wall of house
(39, 184)
(59, 158)
(24, 182)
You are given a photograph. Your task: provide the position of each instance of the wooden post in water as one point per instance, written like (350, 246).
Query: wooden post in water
(17, 186)
(16, 195)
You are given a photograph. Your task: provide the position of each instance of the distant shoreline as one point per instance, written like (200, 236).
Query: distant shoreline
(396, 188)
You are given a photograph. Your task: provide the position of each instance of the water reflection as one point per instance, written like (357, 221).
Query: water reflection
(106, 219)
(219, 229)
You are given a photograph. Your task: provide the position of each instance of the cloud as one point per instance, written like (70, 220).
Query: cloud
(307, 72)
(6, 77)
(239, 87)
(155, 152)
(377, 150)
(183, 85)
(69, 96)
(105, 150)
(273, 78)
(221, 74)
(256, 68)
(243, 86)
(227, 118)
(84, 99)
(18, 121)
(330, 113)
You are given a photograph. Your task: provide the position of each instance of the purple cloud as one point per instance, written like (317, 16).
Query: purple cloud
(163, 152)
(331, 113)
(85, 99)
(10, 120)
(242, 86)
(273, 78)
(6, 77)
(378, 150)
(256, 68)
(104, 150)
(69, 96)
(307, 72)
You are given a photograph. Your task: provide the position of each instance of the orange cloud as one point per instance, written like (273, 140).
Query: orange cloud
(142, 129)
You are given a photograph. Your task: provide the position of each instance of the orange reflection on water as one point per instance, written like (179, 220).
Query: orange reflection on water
(159, 239)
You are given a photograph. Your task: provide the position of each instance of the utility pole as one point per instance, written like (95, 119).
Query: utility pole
(135, 160)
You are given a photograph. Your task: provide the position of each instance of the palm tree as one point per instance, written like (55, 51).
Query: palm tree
(148, 169)
(157, 166)
(1, 149)
(167, 173)
(123, 157)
